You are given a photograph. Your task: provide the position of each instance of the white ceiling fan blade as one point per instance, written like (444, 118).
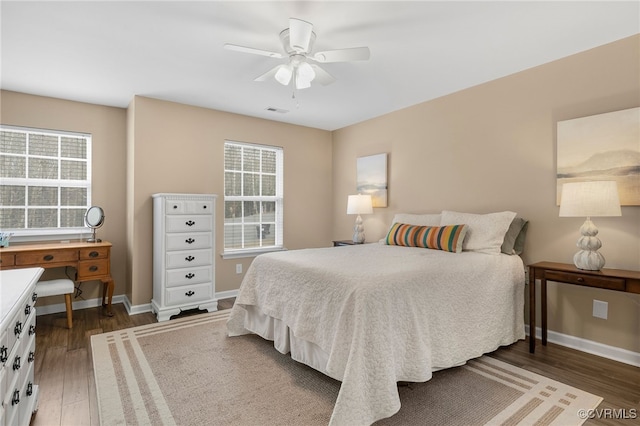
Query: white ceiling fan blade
(343, 55)
(269, 74)
(252, 50)
(300, 34)
(322, 76)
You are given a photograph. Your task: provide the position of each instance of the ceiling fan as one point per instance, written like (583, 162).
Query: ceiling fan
(300, 69)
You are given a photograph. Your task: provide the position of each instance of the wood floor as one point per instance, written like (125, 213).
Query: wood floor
(64, 371)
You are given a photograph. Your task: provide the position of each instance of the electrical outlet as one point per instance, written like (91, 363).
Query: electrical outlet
(600, 309)
(238, 268)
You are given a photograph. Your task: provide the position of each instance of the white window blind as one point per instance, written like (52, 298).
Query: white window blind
(45, 181)
(252, 197)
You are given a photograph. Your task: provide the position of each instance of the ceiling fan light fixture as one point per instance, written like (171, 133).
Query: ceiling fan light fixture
(298, 42)
(306, 72)
(284, 73)
(302, 83)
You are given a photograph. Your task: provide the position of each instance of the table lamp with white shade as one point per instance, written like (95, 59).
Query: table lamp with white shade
(590, 199)
(359, 204)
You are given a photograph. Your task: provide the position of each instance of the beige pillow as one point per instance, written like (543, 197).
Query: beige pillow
(486, 231)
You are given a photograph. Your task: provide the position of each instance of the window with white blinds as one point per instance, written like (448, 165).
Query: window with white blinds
(252, 197)
(45, 181)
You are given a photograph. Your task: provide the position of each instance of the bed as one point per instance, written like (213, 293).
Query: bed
(376, 314)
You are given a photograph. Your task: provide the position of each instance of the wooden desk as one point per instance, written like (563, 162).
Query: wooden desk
(92, 261)
(610, 279)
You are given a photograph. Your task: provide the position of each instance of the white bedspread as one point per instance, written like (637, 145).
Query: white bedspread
(385, 314)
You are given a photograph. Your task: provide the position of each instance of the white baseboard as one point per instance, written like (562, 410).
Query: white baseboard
(122, 298)
(584, 345)
(77, 304)
(226, 294)
(137, 309)
(140, 309)
(589, 346)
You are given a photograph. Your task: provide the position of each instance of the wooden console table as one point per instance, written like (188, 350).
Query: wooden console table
(610, 279)
(92, 261)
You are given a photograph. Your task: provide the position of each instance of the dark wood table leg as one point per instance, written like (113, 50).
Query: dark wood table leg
(107, 295)
(543, 309)
(532, 310)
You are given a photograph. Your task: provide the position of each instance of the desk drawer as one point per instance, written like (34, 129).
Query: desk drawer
(92, 268)
(589, 281)
(41, 258)
(94, 253)
(7, 259)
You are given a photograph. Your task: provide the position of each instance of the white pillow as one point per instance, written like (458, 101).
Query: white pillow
(418, 219)
(486, 231)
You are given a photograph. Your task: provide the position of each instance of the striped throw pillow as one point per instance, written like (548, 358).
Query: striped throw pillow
(447, 238)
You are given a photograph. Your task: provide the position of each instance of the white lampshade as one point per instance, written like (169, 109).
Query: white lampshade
(284, 73)
(580, 199)
(306, 72)
(359, 204)
(585, 199)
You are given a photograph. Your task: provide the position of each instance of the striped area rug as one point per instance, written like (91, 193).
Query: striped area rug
(187, 372)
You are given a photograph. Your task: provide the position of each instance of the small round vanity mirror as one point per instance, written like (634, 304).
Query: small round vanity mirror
(94, 218)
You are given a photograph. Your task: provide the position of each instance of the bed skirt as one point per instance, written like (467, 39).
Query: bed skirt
(285, 341)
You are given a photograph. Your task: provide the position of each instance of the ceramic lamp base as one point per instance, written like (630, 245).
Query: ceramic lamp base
(588, 258)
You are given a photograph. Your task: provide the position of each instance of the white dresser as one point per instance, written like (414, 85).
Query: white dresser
(183, 253)
(18, 391)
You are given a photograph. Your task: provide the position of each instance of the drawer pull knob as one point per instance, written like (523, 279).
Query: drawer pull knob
(189, 241)
(94, 254)
(17, 329)
(27, 310)
(32, 356)
(189, 258)
(189, 293)
(15, 399)
(4, 355)
(16, 363)
(48, 257)
(580, 280)
(189, 275)
(30, 389)
(204, 207)
(189, 223)
(93, 268)
(32, 329)
(34, 297)
(175, 206)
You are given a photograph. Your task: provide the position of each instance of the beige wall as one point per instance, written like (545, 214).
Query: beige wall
(493, 147)
(488, 148)
(180, 148)
(107, 127)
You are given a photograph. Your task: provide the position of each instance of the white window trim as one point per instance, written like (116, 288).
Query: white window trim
(279, 200)
(240, 253)
(53, 234)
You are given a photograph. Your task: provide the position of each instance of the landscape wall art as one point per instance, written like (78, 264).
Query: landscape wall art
(601, 147)
(372, 178)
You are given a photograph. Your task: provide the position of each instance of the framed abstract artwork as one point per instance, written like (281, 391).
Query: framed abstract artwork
(372, 178)
(601, 147)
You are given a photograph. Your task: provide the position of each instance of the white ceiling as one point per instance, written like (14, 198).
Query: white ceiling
(107, 52)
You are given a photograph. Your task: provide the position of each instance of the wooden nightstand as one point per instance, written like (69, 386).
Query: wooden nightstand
(610, 279)
(338, 243)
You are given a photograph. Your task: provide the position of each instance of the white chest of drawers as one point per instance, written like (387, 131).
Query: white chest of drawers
(183, 253)
(18, 392)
